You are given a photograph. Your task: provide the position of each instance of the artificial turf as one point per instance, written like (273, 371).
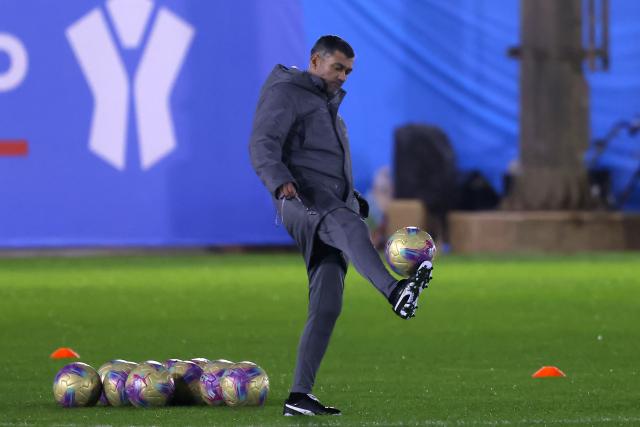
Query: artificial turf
(484, 326)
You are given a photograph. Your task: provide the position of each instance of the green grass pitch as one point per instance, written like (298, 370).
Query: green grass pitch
(484, 326)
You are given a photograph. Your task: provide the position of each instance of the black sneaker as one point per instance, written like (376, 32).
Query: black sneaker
(308, 404)
(404, 298)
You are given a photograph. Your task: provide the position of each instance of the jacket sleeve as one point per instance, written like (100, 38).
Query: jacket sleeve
(274, 117)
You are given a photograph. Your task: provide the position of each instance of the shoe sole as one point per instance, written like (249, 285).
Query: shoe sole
(310, 415)
(422, 276)
(294, 412)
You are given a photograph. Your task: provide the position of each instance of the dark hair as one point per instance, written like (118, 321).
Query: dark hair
(329, 44)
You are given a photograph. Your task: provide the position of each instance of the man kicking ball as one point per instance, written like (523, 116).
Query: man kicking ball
(300, 150)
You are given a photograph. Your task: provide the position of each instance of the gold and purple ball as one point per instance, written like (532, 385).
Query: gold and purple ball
(170, 362)
(114, 383)
(258, 386)
(149, 384)
(210, 390)
(201, 361)
(186, 376)
(245, 383)
(107, 365)
(77, 384)
(102, 370)
(407, 248)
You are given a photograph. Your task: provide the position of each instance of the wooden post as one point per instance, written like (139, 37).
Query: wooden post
(554, 109)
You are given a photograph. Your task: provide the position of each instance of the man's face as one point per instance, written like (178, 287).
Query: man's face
(332, 68)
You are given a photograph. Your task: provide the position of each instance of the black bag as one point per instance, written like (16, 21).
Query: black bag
(425, 167)
(476, 193)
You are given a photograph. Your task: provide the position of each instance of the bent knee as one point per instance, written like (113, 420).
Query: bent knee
(351, 223)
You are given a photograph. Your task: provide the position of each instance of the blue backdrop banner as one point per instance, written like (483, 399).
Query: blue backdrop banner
(126, 122)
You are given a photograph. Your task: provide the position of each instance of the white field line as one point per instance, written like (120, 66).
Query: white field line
(347, 421)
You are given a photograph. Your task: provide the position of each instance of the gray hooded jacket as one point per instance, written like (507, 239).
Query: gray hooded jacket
(299, 137)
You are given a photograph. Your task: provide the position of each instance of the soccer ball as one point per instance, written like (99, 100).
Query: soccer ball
(114, 383)
(244, 383)
(149, 384)
(407, 248)
(170, 362)
(101, 371)
(201, 361)
(106, 366)
(258, 386)
(210, 390)
(77, 384)
(186, 376)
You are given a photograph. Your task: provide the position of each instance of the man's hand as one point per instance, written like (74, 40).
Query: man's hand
(288, 191)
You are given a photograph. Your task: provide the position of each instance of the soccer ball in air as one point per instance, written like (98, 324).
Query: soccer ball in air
(149, 384)
(186, 377)
(77, 384)
(114, 383)
(210, 389)
(407, 248)
(245, 383)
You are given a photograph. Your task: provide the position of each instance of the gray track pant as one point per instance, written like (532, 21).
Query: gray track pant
(341, 231)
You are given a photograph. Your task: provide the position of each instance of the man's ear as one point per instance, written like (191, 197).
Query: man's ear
(315, 58)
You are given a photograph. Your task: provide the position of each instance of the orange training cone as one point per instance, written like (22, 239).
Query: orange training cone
(548, 371)
(64, 353)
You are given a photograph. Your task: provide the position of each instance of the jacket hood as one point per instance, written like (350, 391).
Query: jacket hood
(292, 75)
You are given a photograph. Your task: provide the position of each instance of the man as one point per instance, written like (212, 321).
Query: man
(300, 151)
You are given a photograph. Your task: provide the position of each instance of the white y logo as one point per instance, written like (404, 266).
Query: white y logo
(162, 58)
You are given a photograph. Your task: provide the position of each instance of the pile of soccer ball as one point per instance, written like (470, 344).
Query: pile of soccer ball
(150, 383)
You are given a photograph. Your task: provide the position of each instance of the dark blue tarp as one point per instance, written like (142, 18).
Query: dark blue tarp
(439, 62)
